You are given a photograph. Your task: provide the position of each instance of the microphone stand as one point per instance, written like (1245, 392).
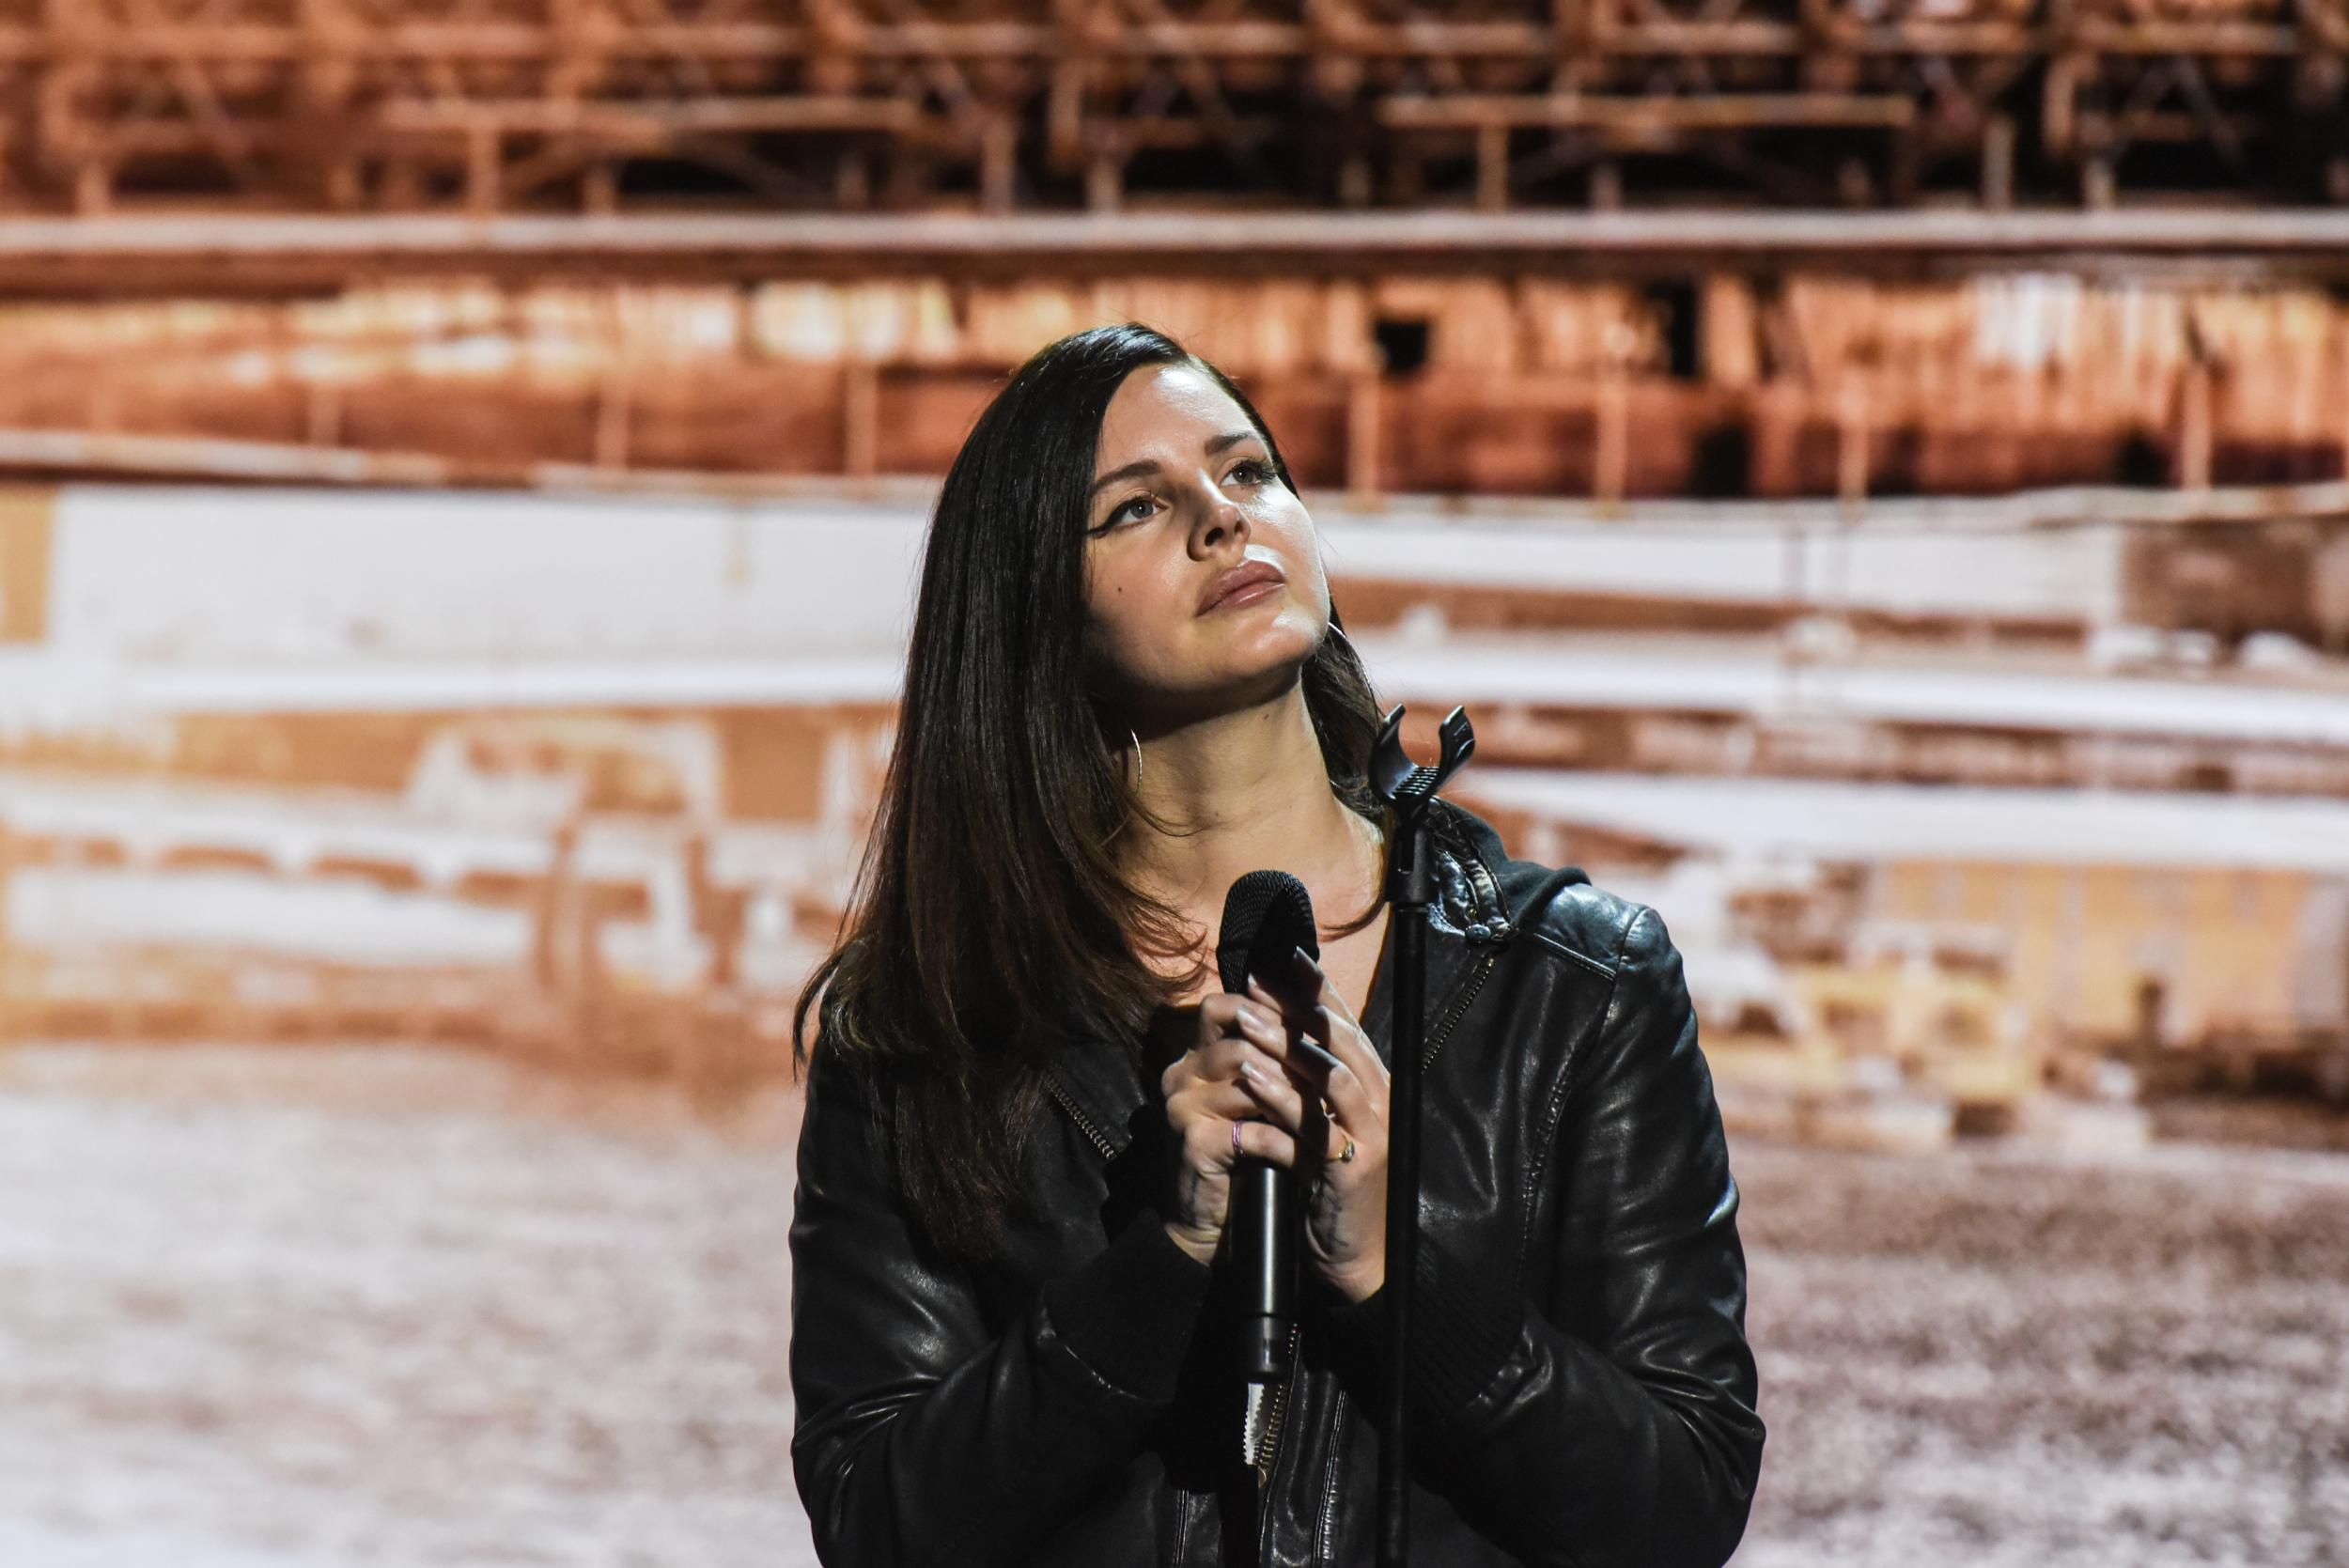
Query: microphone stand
(1407, 788)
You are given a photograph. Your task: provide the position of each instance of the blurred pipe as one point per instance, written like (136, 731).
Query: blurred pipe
(211, 457)
(78, 454)
(182, 255)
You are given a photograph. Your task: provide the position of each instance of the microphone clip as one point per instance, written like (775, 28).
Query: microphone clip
(1409, 787)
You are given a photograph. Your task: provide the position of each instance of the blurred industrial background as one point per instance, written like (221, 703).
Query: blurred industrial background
(1877, 472)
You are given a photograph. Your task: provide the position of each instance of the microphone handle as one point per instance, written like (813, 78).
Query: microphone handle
(1264, 1220)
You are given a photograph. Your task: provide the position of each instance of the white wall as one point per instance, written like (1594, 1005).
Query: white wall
(228, 574)
(212, 575)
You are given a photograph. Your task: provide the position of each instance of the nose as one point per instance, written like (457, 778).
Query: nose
(1219, 521)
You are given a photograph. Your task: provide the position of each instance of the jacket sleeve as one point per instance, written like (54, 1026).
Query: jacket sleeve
(921, 1438)
(1613, 1423)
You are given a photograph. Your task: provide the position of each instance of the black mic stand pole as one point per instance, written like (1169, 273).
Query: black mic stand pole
(1407, 788)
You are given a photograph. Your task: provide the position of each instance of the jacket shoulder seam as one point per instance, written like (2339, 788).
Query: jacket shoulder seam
(1566, 949)
(1606, 1020)
(1548, 925)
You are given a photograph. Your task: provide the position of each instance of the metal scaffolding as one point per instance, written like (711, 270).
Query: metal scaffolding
(495, 106)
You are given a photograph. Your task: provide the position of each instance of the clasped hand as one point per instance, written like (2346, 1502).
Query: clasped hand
(1251, 1083)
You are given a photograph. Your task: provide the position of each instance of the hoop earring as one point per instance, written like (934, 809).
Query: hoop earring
(1137, 740)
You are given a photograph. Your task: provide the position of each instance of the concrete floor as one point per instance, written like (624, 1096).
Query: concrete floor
(262, 1308)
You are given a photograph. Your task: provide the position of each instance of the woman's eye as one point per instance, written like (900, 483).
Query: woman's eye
(1109, 523)
(1254, 471)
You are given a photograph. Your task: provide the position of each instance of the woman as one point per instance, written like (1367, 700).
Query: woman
(1127, 686)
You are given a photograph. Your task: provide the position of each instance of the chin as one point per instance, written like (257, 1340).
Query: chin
(1261, 680)
(1244, 650)
(1228, 687)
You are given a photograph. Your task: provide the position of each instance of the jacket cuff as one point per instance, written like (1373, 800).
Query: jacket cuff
(1463, 1331)
(1129, 1313)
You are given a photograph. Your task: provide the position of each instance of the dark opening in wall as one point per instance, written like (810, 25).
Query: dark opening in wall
(1722, 469)
(1401, 343)
(2143, 462)
(1675, 301)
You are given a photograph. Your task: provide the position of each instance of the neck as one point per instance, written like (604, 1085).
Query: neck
(1248, 791)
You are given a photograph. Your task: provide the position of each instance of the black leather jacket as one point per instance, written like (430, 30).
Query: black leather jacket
(1582, 1392)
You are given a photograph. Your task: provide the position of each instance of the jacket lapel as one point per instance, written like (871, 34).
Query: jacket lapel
(1100, 1083)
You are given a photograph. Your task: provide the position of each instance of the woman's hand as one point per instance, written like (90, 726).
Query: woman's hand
(1211, 1113)
(1245, 1072)
(1318, 1111)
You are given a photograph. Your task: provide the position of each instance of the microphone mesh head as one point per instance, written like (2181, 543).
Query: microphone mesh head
(1265, 915)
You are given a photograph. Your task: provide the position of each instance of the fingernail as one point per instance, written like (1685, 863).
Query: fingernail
(1248, 1071)
(1307, 959)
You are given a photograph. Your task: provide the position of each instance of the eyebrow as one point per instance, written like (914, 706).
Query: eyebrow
(1215, 444)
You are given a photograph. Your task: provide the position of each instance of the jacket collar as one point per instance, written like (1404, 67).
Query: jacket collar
(1470, 916)
(1468, 858)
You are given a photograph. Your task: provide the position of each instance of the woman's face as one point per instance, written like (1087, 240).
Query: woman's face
(1184, 493)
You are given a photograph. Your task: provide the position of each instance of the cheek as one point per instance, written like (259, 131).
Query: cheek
(1143, 587)
(1283, 523)
(1122, 613)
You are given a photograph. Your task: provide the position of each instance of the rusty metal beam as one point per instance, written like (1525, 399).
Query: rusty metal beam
(232, 255)
(334, 104)
(1710, 112)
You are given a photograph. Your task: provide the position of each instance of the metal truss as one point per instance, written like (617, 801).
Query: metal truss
(494, 106)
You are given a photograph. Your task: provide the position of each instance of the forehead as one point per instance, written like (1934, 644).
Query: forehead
(1164, 406)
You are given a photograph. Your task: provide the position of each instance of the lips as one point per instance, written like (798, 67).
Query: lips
(1238, 579)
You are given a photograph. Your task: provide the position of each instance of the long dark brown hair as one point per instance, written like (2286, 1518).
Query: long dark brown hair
(991, 927)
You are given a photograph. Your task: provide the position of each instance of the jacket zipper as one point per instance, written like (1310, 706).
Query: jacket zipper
(1084, 1123)
(1329, 1486)
(1485, 967)
(1269, 1443)
(1271, 1447)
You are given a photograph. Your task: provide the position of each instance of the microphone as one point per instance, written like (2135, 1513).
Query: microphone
(1266, 916)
